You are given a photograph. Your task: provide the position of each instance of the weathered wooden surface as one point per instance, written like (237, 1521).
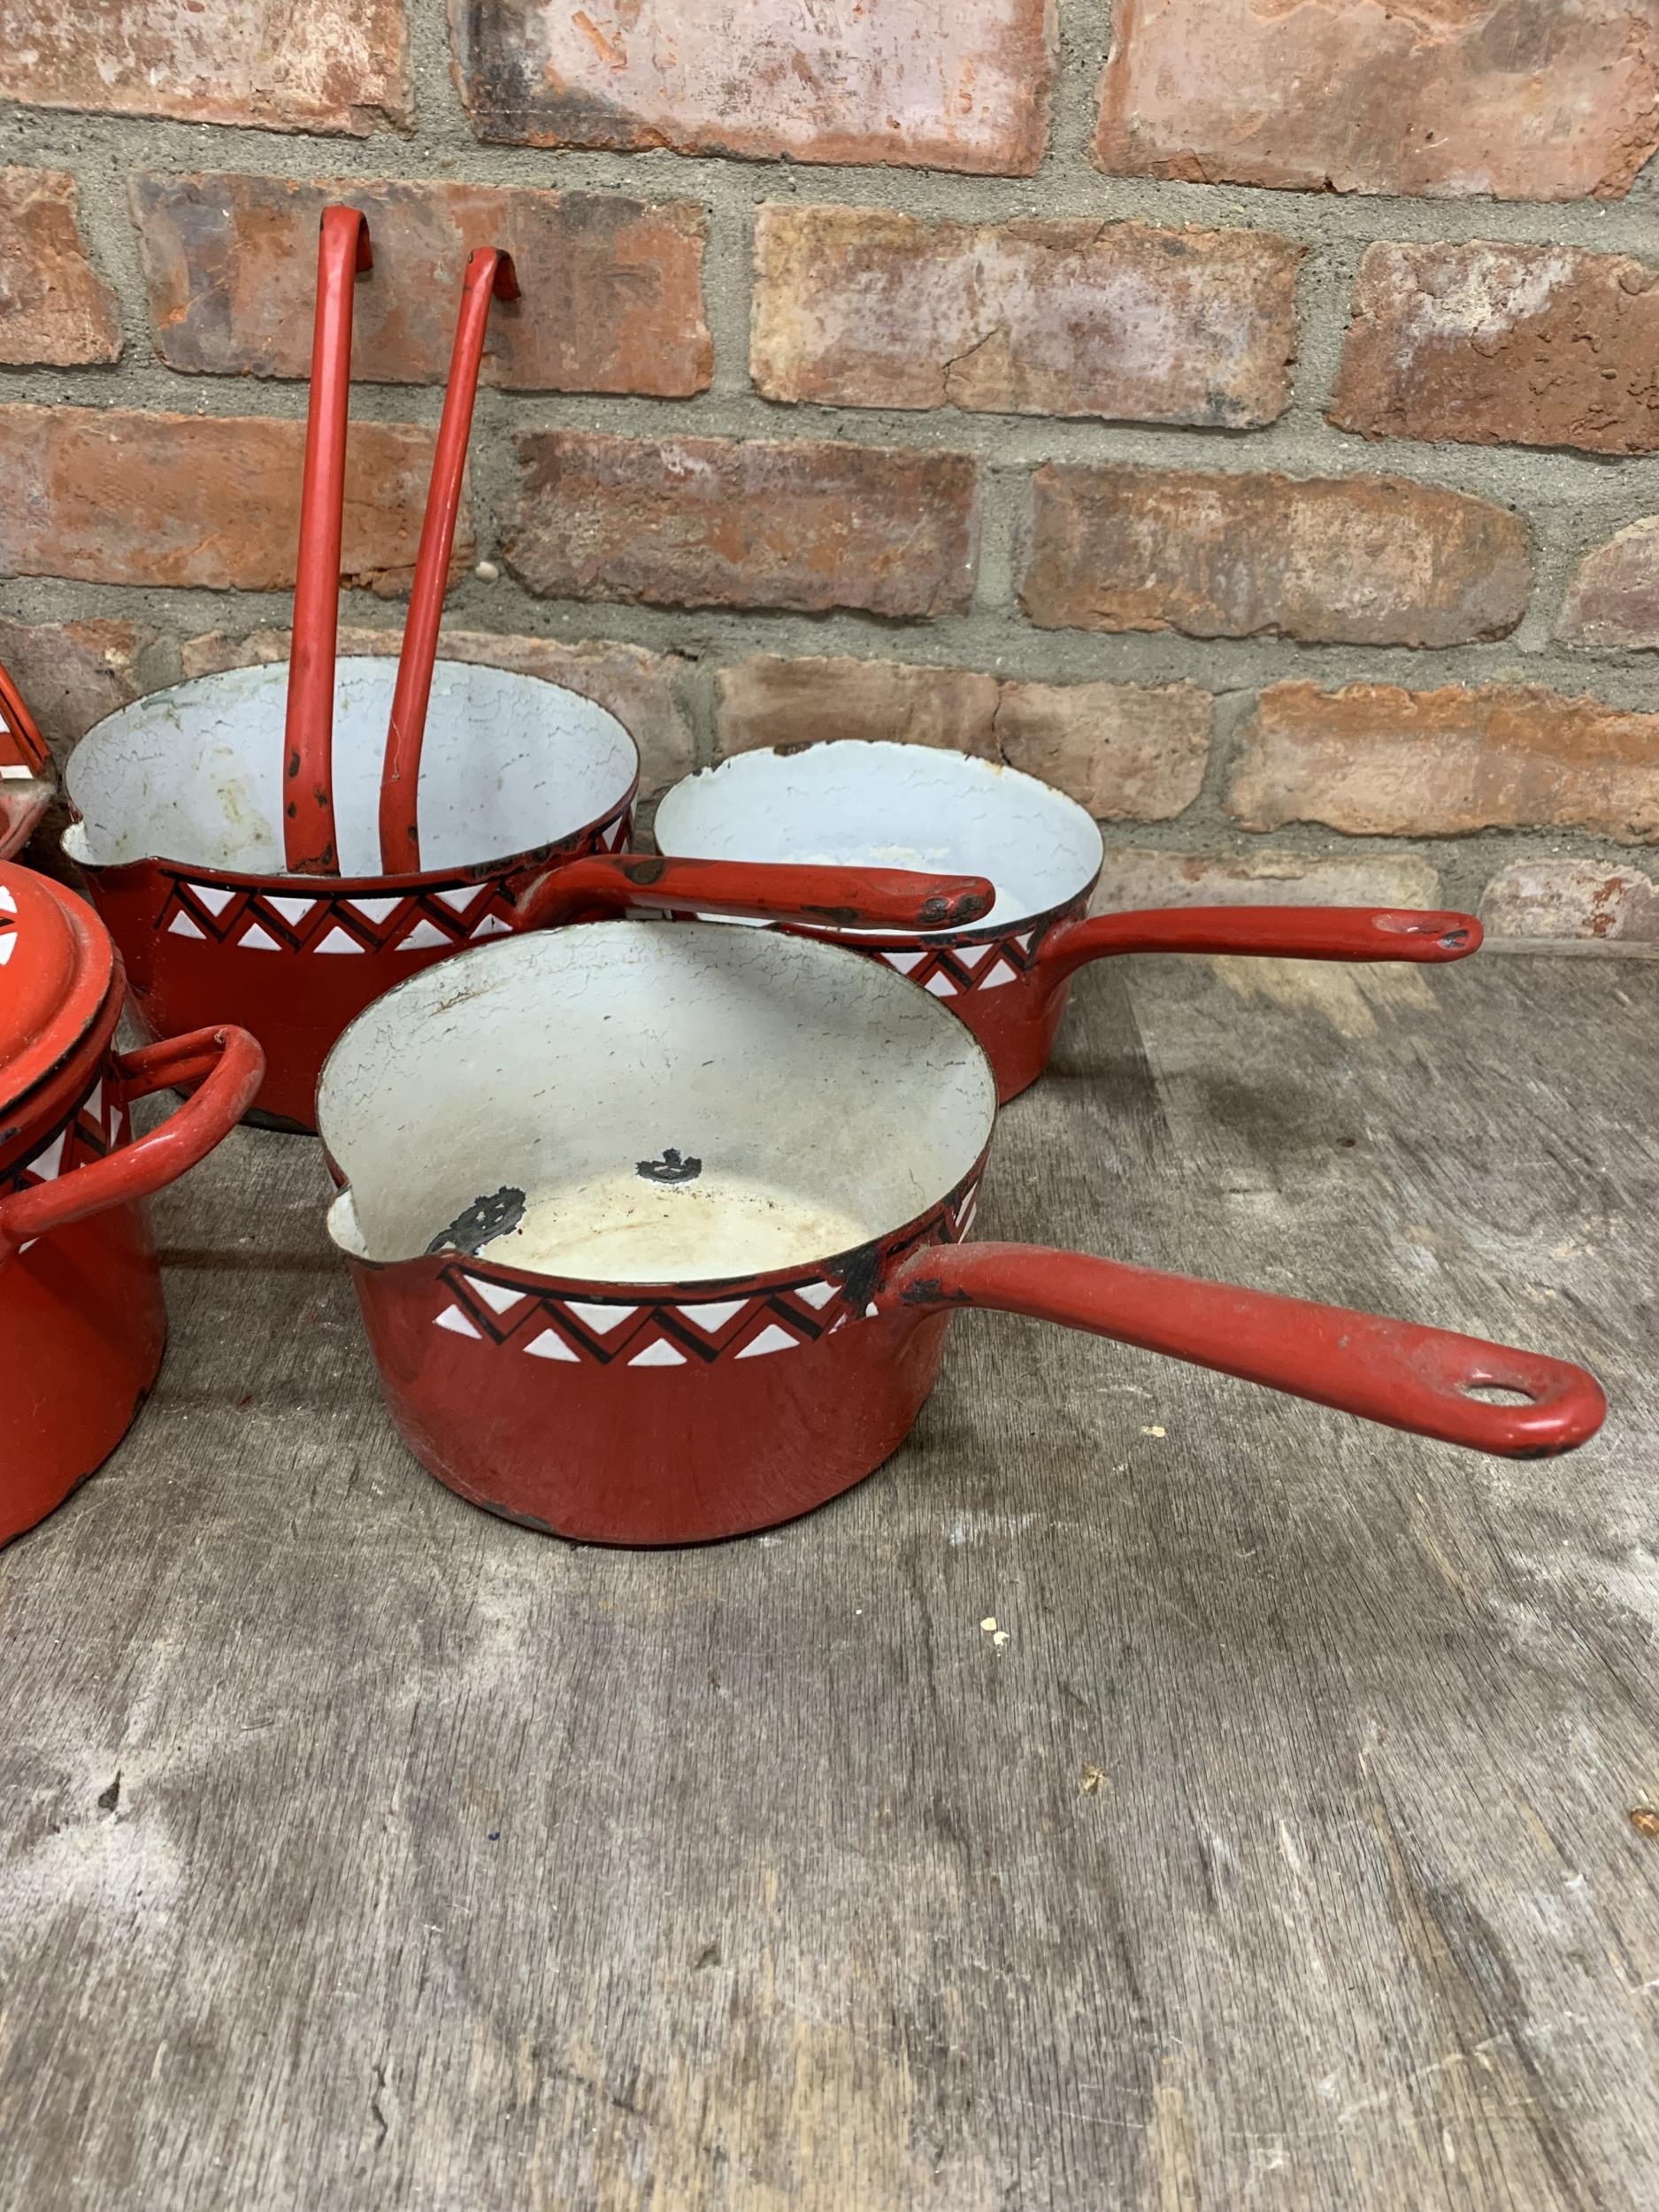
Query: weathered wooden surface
(357, 1850)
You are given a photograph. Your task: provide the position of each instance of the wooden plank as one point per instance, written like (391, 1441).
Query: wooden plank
(450, 1866)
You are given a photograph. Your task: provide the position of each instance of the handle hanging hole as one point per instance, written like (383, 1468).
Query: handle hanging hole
(1500, 1394)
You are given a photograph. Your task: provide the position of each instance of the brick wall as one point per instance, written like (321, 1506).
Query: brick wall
(1246, 417)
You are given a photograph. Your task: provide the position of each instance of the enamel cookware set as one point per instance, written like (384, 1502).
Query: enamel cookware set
(657, 1231)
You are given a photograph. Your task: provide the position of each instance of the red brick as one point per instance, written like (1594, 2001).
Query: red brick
(864, 307)
(71, 675)
(109, 496)
(612, 297)
(769, 700)
(1525, 345)
(715, 522)
(1545, 102)
(55, 309)
(277, 64)
(1143, 876)
(1128, 752)
(1367, 560)
(1614, 599)
(1568, 900)
(637, 686)
(943, 84)
(1376, 761)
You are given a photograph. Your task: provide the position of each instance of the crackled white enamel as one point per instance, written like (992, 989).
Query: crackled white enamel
(194, 774)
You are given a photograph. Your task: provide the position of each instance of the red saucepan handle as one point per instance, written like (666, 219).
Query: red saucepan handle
(1393, 1371)
(766, 891)
(308, 801)
(489, 275)
(228, 1067)
(1282, 932)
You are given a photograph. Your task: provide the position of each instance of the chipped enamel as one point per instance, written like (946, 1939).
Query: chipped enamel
(828, 1104)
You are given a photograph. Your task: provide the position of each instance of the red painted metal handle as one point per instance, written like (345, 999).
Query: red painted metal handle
(1391, 1372)
(21, 744)
(766, 891)
(26, 770)
(307, 802)
(489, 275)
(1283, 933)
(226, 1064)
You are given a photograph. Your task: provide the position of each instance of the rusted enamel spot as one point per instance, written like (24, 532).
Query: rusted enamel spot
(483, 1221)
(673, 1167)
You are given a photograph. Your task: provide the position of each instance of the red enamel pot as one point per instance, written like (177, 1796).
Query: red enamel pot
(179, 802)
(657, 1233)
(179, 835)
(81, 1318)
(26, 771)
(861, 804)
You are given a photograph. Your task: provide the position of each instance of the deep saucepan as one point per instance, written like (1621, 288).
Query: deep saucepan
(657, 1233)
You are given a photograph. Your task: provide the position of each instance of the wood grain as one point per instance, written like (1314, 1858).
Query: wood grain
(358, 1850)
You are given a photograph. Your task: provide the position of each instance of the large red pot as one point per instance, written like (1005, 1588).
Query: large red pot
(657, 1232)
(179, 837)
(1008, 976)
(82, 1320)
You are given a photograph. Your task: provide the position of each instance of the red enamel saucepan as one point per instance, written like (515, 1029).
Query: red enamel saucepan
(657, 1233)
(910, 806)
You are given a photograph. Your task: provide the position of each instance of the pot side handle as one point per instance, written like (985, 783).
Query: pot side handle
(18, 723)
(227, 1066)
(1281, 932)
(764, 891)
(1396, 1372)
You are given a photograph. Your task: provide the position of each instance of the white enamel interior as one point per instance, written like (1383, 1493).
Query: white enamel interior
(890, 806)
(828, 1099)
(195, 774)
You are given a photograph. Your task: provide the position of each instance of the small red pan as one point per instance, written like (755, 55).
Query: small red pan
(910, 806)
(657, 1233)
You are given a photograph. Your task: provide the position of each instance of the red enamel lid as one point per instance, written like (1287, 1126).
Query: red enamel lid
(57, 964)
